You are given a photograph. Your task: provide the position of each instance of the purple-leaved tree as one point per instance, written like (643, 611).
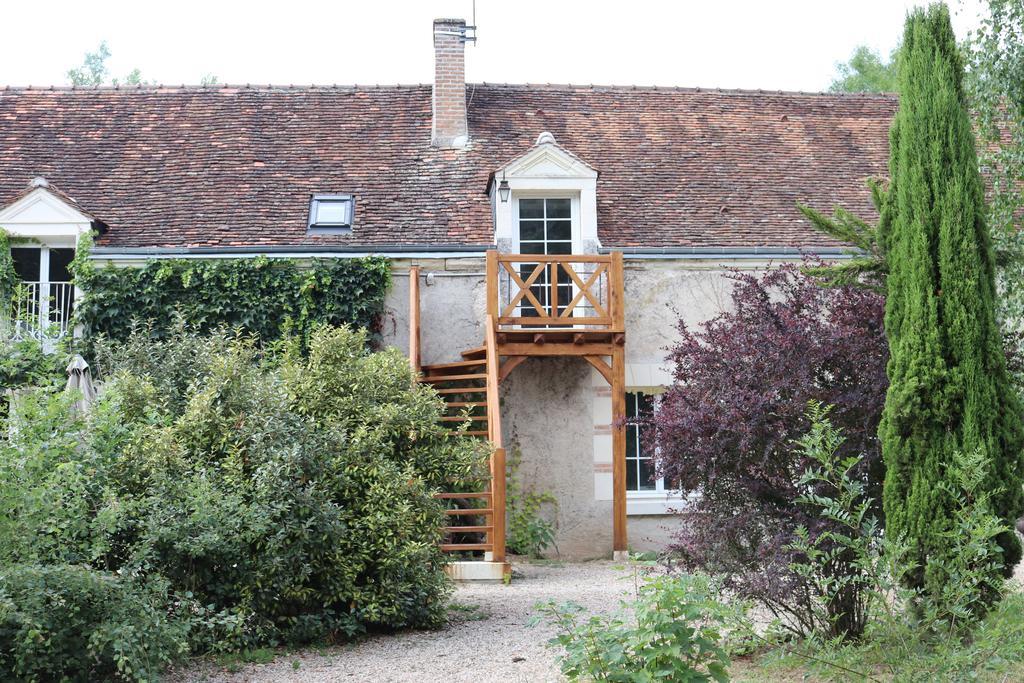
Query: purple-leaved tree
(726, 426)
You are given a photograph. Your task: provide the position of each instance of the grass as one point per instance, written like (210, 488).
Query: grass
(995, 653)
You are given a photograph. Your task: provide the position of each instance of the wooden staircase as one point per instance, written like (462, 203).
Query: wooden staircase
(538, 305)
(469, 388)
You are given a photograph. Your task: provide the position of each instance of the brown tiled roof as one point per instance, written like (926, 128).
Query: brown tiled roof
(235, 166)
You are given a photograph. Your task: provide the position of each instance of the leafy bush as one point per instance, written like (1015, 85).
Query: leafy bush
(529, 532)
(23, 363)
(837, 567)
(850, 571)
(8, 276)
(66, 622)
(265, 297)
(671, 631)
(291, 499)
(726, 426)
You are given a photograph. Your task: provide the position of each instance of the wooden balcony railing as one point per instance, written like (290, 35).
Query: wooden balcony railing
(572, 291)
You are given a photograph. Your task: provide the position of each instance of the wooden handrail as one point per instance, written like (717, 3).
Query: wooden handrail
(497, 533)
(493, 408)
(414, 318)
(498, 505)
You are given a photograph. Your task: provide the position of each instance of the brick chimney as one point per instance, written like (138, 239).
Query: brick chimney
(450, 129)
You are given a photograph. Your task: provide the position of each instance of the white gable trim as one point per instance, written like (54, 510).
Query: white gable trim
(547, 170)
(43, 216)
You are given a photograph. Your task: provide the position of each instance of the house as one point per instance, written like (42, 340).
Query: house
(544, 238)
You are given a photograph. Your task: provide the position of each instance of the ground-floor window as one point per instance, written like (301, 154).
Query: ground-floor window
(640, 467)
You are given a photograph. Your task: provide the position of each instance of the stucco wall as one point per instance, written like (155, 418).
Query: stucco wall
(452, 308)
(557, 411)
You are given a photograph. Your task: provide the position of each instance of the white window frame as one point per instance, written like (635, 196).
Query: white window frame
(574, 215)
(660, 501)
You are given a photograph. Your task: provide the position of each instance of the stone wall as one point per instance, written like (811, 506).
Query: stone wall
(557, 411)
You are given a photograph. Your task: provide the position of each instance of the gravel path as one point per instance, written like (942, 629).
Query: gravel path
(490, 641)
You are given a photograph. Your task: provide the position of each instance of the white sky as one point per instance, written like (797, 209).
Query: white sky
(770, 44)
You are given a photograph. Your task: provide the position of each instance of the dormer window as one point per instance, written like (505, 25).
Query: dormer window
(331, 214)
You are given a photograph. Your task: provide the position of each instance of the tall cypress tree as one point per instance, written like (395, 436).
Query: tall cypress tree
(949, 390)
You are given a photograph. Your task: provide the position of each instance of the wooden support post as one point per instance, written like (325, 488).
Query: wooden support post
(414, 318)
(498, 505)
(497, 532)
(617, 292)
(493, 290)
(619, 541)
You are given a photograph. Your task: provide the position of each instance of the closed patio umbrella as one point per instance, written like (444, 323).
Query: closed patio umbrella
(80, 380)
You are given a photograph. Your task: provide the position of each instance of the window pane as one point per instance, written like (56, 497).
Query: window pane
(559, 208)
(531, 208)
(559, 230)
(647, 475)
(631, 475)
(631, 441)
(645, 405)
(531, 248)
(330, 212)
(60, 264)
(26, 263)
(559, 247)
(531, 230)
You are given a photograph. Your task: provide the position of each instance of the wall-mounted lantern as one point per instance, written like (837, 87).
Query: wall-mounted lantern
(503, 188)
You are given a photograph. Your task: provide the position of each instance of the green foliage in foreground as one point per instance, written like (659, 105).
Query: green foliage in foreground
(66, 620)
(670, 632)
(859, 623)
(842, 605)
(23, 363)
(282, 502)
(949, 389)
(902, 654)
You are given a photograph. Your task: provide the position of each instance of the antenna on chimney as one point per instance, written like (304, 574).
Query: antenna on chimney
(472, 27)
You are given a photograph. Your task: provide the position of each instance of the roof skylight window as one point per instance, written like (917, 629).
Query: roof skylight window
(331, 214)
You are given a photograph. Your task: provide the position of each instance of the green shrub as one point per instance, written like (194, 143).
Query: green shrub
(268, 298)
(66, 622)
(838, 562)
(858, 616)
(8, 276)
(292, 499)
(850, 570)
(23, 363)
(670, 632)
(529, 532)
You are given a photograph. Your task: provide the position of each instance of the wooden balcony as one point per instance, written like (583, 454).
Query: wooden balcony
(569, 305)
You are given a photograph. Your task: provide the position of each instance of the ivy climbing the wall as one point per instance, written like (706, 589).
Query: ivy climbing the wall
(8, 278)
(266, 297)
